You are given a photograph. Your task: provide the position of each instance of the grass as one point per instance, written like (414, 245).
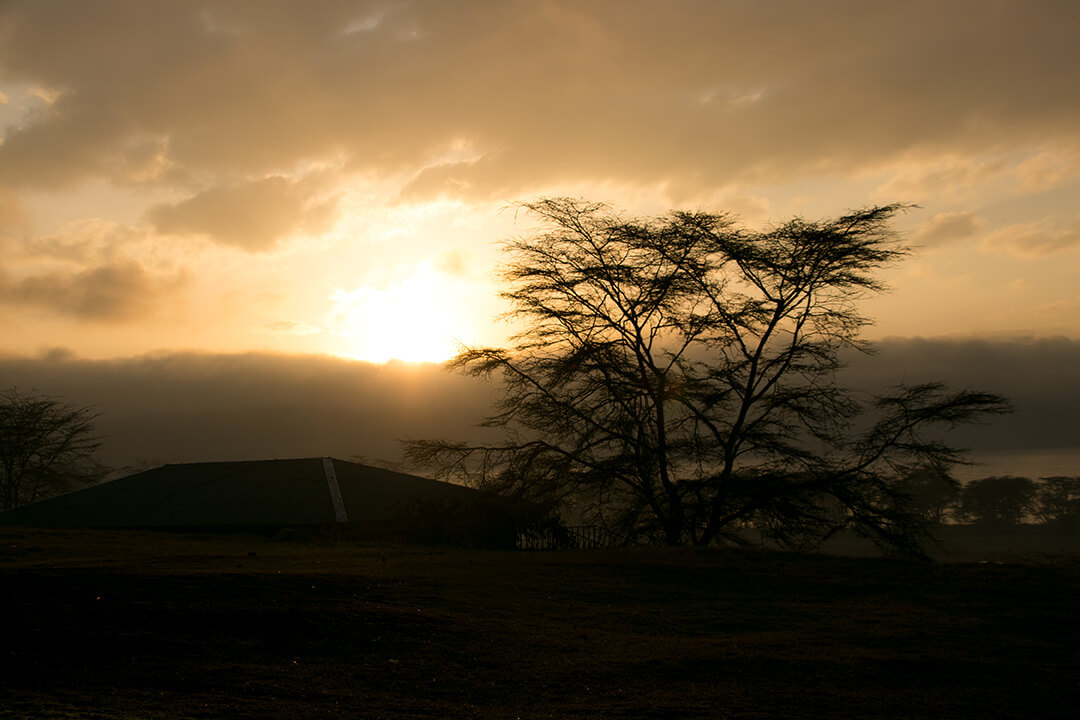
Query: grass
(143, 625)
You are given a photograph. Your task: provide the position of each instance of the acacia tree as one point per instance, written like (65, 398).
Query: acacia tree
(675, 379)
(1058, 501)
(45, 446)
(1001, 500)
(931, 492)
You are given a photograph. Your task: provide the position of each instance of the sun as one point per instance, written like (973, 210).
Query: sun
(421, 319)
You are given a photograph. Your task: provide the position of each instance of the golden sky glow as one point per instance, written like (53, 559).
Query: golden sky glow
(332, 177)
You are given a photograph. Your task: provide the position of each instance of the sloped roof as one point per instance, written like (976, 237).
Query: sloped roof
(308, 491)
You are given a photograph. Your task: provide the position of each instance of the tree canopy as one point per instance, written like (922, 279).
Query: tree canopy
(999, 500)
(46, 445)
(675, 379)
(1058, 501)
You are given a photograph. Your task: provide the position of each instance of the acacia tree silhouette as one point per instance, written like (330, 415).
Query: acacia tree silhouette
(1058, 501)
(675, 380)
(1001, 500)
(44, 445)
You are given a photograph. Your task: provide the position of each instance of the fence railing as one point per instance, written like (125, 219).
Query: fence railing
(574, 537)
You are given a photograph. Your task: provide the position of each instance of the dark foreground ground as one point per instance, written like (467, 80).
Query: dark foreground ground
(126, 625)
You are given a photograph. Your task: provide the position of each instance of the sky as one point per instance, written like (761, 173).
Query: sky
(239, 179)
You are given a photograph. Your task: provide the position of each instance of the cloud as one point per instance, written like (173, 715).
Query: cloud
(114, 293)
(546, 92)
(1063, 307)
(451, 262)
(14, 219)
(1041, 237)
(946, 228)
(228, 127)
(85, 242)
(1041, 377)
(185, 407)
(63, 147)
(954, 177)
(253, 216)
(294, 327)
(478, 179)
(142, 160)
(192, 407)
(1048, 169)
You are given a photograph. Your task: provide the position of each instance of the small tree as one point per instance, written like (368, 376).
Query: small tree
(998, 501)
(675, 379)
(46, 446)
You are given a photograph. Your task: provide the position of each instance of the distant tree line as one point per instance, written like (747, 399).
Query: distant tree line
(997, 501)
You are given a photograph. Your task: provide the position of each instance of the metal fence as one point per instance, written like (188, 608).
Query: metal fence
(559, 537)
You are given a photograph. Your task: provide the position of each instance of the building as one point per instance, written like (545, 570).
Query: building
(306, 496)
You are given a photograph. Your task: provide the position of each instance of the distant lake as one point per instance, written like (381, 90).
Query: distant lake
(1032, 464)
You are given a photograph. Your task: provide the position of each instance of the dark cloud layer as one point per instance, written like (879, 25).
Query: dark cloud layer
(699, 92)
(1041, 378)
(183, 407)
(191, 407)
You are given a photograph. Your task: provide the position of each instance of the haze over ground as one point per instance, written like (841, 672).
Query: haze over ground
(196, 198)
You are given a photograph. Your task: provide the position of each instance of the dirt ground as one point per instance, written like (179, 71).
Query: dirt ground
(143, 625)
